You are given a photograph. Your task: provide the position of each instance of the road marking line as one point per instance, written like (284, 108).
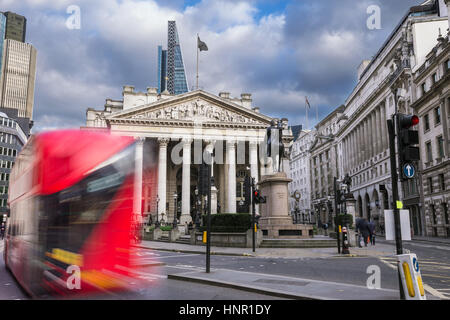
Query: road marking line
(434, 292)
(178, 256)
(388, 264)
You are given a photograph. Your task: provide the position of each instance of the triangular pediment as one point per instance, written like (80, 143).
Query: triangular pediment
(197, 106)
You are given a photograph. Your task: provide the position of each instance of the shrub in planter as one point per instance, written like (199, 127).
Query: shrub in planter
(343, 219)
(227, 222)
(166, 228)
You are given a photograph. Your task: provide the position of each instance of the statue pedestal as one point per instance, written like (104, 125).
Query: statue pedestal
(275, 221)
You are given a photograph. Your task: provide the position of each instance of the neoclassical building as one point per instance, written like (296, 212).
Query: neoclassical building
(363, 144)
(173, 132)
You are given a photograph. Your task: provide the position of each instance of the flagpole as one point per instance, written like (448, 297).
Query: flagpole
(306, 109)
(197, 61)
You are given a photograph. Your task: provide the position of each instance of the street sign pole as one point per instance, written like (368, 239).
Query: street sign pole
(208, 228)
(253, 215)
(395, 197)
(338, 234)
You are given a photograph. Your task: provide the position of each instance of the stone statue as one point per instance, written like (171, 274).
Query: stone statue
(275, 143)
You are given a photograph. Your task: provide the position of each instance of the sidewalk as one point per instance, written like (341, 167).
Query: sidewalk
(286, 287)
(430, 240)
(382, 249)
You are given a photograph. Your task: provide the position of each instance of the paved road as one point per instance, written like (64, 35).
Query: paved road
(159, 288)
(434, 263)
(9, 288)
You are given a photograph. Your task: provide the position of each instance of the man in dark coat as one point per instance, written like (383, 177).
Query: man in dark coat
(363, 230)
(372, 232)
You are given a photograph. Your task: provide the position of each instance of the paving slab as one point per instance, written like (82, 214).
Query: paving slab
(286, 287)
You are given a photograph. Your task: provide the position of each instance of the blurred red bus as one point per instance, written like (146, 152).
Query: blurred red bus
(71, 218)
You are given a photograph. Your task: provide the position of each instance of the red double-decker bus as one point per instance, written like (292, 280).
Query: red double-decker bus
(71, 222)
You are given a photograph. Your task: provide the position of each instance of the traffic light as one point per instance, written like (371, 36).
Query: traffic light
(258, 198)
(407, 141)
(338, 196)
(247, 189)
(203, 180)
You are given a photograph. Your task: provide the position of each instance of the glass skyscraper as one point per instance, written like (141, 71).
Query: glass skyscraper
(171, 71)
(162, 69)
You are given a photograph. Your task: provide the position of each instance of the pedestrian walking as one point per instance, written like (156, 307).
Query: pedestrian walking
(325, 227)
(371, 226)
(363, 231)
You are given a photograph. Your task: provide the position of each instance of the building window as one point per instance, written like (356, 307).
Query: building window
(430, 185)
(427, 122)
(442, 181)
(433, 214)
(424, 88)
(437, 115)
(434, 78)
(447, 65)
(445, 207)
(429, 152)
(440, 146)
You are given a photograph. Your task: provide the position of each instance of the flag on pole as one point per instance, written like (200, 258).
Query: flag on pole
(201, 45)
(307, 103)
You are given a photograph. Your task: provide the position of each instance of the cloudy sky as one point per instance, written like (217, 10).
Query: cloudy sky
(280, 51)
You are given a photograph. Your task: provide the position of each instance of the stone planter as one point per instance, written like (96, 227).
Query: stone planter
(151, 235)
(174, 235)
(229, 239)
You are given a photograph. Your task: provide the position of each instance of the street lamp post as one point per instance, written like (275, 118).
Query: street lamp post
(175, 196)
(157, 209)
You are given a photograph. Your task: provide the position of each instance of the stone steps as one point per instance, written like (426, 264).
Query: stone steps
(298, 243)
(184, 240)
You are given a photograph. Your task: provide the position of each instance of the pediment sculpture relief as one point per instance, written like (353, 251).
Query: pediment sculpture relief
(195, 111)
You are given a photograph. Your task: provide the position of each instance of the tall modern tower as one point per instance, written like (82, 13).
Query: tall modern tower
(16, 26)
(18, 77)
(162, 69)
(171, 71)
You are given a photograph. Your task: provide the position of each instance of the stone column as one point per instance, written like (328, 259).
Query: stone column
(231, 187)
(384, 135)
(162, 176)
(253, 159)
(379, 137)
(186, 183)
(352, 149)
(365, 139)
(371, 136)
(359, 145)
(137, 199)
(444, 121)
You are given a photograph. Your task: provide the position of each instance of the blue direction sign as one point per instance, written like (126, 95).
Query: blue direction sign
(416, 264)
(409, 170)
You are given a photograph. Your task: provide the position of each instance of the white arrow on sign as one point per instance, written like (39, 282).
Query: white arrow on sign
(409, 170)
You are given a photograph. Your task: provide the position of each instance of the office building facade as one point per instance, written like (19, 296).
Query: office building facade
(18, 77)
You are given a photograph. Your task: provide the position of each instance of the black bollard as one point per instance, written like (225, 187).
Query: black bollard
(345, 246)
